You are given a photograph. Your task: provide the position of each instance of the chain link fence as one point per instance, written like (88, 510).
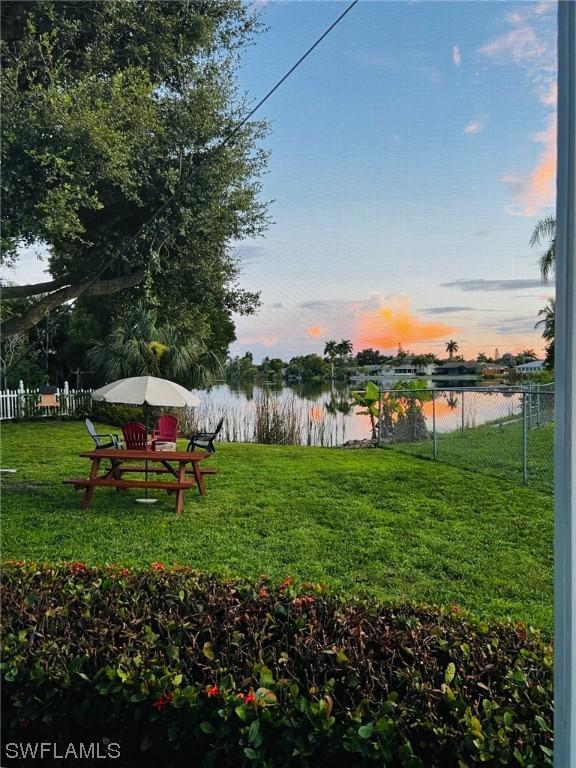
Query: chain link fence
(499, 431)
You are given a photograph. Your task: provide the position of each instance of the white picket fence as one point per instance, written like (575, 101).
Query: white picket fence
(23, 403)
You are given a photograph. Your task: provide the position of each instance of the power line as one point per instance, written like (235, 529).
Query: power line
(213, 152)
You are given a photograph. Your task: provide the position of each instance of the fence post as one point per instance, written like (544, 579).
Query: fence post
(434, 444)
(524, 439)
(379, 417)
(462, 427)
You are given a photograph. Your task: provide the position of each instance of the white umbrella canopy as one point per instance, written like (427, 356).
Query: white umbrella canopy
(146, 390)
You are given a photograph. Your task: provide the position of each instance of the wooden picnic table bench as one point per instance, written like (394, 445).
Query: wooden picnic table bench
(183, 466)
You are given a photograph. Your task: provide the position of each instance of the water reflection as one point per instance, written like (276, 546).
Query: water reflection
(324, 414)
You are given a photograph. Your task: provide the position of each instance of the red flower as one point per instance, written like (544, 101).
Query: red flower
(286, 583)
(77, 567)
(157, 566)
(162, 702)
(124, 572)
(249, 698)
(24, 723)
(212, 690)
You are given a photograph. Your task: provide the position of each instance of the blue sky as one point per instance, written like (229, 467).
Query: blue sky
(410, 157)
(411, 150)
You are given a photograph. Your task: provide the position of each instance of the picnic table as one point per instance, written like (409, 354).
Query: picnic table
(179, 471)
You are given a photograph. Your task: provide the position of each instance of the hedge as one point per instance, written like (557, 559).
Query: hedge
(182, 669)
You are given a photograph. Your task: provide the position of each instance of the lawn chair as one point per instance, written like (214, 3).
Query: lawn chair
(136, 437)
(205, 440)
(167, 431)
(113, 440)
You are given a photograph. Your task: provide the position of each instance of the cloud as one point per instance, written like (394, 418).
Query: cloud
(537, 189)
(250, 253)
(530, 44)
(515, 325)
(451, 310)
(474, 126)
(394, 323)
(314, 331)
(548, 94)
(277, 305)
(456, 55)
(521, 45)
(514, 284)
(316, 305)
(266, 341)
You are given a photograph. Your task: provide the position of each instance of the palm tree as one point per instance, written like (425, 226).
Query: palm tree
(548, 320)
(139, 346)
(451, 347)
(482, 357)
(548, 315)
(529, 355)
(344, 348)
(330, 349)
(545, 229)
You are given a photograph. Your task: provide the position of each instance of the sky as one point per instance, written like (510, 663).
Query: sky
(411, 156)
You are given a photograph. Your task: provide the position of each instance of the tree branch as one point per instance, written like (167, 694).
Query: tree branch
(40, 309)
(21, 291)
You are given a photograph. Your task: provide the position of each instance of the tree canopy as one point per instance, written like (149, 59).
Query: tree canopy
(113, 113)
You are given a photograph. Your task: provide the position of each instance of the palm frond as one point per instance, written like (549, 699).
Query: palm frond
(545, 228)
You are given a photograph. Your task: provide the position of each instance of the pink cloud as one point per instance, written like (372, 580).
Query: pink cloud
(266, 341)
(537, 189)
(474, 126)
(521, 45)
(530, 44)
(394, 322)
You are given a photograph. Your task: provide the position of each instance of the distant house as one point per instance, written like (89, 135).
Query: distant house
(459, 368)
(405, 370)
(534, 366)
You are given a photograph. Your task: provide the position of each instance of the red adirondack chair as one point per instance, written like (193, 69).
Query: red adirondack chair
(167, 430)
(136, 437)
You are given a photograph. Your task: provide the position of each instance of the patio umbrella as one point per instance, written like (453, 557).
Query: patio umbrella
(146, 391)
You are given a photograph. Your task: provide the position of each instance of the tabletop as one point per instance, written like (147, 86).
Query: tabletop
(120, 453)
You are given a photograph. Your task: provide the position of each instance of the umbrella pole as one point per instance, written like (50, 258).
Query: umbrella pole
(146, 463)
(146, 500)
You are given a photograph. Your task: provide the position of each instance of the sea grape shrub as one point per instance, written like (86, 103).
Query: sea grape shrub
(182, 669)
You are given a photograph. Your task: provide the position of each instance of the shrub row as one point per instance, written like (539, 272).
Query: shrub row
(181, 669)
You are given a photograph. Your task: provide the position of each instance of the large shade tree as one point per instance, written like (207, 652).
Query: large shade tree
(113, 116)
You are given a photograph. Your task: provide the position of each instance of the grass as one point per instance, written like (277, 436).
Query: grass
(366, 522)
(497, 450)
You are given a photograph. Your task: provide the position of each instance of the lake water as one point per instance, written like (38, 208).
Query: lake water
(314, 411)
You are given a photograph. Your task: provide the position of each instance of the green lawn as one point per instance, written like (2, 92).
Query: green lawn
(377, 522)
(495, 449)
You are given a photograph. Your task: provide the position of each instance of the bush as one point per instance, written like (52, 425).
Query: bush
(180, 669)
(117, 415)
